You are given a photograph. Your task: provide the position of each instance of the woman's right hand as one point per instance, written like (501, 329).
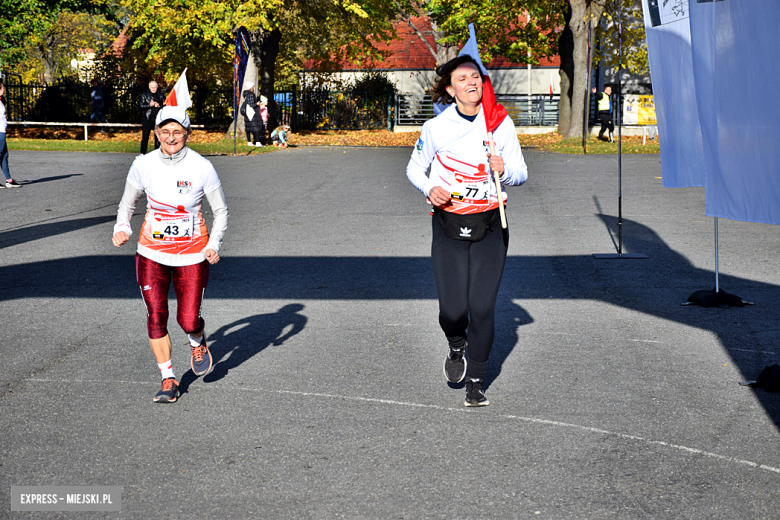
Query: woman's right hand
(120, 238)
(439, 196)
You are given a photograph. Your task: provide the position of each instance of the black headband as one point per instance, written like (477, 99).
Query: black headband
(454, 63)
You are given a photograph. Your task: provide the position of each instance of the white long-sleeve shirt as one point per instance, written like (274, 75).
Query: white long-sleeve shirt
(456, 150)
(174, 232)
(3, 118)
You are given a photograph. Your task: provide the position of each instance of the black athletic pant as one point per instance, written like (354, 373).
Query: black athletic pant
(147, 127)
(468, 275)
(606, 123)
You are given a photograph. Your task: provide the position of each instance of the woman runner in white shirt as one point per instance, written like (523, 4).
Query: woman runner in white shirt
(469, 246)
(173, 243)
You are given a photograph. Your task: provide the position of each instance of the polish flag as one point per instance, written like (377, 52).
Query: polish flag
(495, 113)
(180, 95)
(551, 83)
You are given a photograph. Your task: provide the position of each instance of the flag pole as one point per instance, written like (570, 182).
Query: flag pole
(235, 102)
(497, 179)
(620, 254)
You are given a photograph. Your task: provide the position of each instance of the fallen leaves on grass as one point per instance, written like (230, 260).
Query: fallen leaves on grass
(94, 133)
(353, 138)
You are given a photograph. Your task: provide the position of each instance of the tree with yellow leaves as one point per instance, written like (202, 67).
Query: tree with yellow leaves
(199, 34)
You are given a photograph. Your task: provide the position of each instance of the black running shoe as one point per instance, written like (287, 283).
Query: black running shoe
(169, 392)
(475, 396)
(12, 184)
(455, 365)
(201, 358)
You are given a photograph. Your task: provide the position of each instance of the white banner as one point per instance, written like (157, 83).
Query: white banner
(669, 52)
(736, 48)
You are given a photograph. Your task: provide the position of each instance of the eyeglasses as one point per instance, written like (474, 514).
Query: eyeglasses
(175, 133)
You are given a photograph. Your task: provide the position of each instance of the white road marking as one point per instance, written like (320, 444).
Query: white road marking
(546, 422)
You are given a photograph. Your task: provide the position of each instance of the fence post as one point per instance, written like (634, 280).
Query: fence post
(389, 110)
(294, 115)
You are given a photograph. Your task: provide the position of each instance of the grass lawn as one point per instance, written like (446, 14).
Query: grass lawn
(216, 143)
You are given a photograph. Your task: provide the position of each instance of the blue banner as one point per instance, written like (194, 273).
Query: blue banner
(734, 49)
(243, 48)
(668, 36)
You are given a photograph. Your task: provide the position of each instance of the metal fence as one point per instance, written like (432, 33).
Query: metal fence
(536, 110)
(328, 110)
(307, 110)
(302, 110)
(70, 102)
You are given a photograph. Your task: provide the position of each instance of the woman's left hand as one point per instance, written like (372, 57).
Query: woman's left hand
(496, 164)
(212, 256)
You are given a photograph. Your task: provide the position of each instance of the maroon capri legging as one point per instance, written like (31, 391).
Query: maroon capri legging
(189, 283)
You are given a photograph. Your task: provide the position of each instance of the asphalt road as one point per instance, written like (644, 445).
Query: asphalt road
(608, 398)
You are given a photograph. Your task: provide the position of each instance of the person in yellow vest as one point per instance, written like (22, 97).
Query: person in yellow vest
(604, 108)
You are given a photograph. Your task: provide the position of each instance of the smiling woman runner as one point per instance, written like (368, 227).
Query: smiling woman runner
(174, 243)
(469, 247)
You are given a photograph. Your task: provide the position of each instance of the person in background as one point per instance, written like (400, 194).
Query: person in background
(279, 136)
(151, 101)
(9, 182)
(604, 108)
(97, 99)
(253, 125)
(263, 104)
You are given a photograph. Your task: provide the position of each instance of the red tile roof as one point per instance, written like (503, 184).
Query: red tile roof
(408, 52)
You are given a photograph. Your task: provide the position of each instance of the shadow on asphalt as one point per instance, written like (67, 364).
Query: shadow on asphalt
(655, 287)
(237, 342)
(54, 178)
(38, 231)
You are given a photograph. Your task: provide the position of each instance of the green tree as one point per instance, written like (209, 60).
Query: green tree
(200, 34)
(49, 53)
(27, 24)
(526, 31)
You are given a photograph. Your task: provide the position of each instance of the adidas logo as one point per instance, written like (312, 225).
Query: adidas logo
(465, 232)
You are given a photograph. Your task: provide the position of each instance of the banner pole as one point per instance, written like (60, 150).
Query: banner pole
(620, 254)
(620, 129)
(717, 285)
(235, 110)
(586, 115)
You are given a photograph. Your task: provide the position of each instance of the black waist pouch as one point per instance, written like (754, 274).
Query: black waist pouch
(472, 227)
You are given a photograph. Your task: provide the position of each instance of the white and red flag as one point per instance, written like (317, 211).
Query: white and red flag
(494, 112)
(180, 95)
(551, 84)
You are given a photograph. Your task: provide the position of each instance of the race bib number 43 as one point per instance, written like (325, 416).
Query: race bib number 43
(172, 227)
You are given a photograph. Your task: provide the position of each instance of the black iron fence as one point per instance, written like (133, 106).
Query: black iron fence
(302, 110)
(71, 103)
(535, 110)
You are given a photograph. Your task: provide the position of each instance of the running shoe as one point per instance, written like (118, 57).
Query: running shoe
(12, 184)
(169, 392)
(455, 365)
(475, 396)
(201, 358)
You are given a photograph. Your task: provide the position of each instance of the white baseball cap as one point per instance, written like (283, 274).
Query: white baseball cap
(169, 114)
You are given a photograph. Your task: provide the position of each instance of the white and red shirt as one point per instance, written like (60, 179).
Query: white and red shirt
(456, 150)
(174, 231)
